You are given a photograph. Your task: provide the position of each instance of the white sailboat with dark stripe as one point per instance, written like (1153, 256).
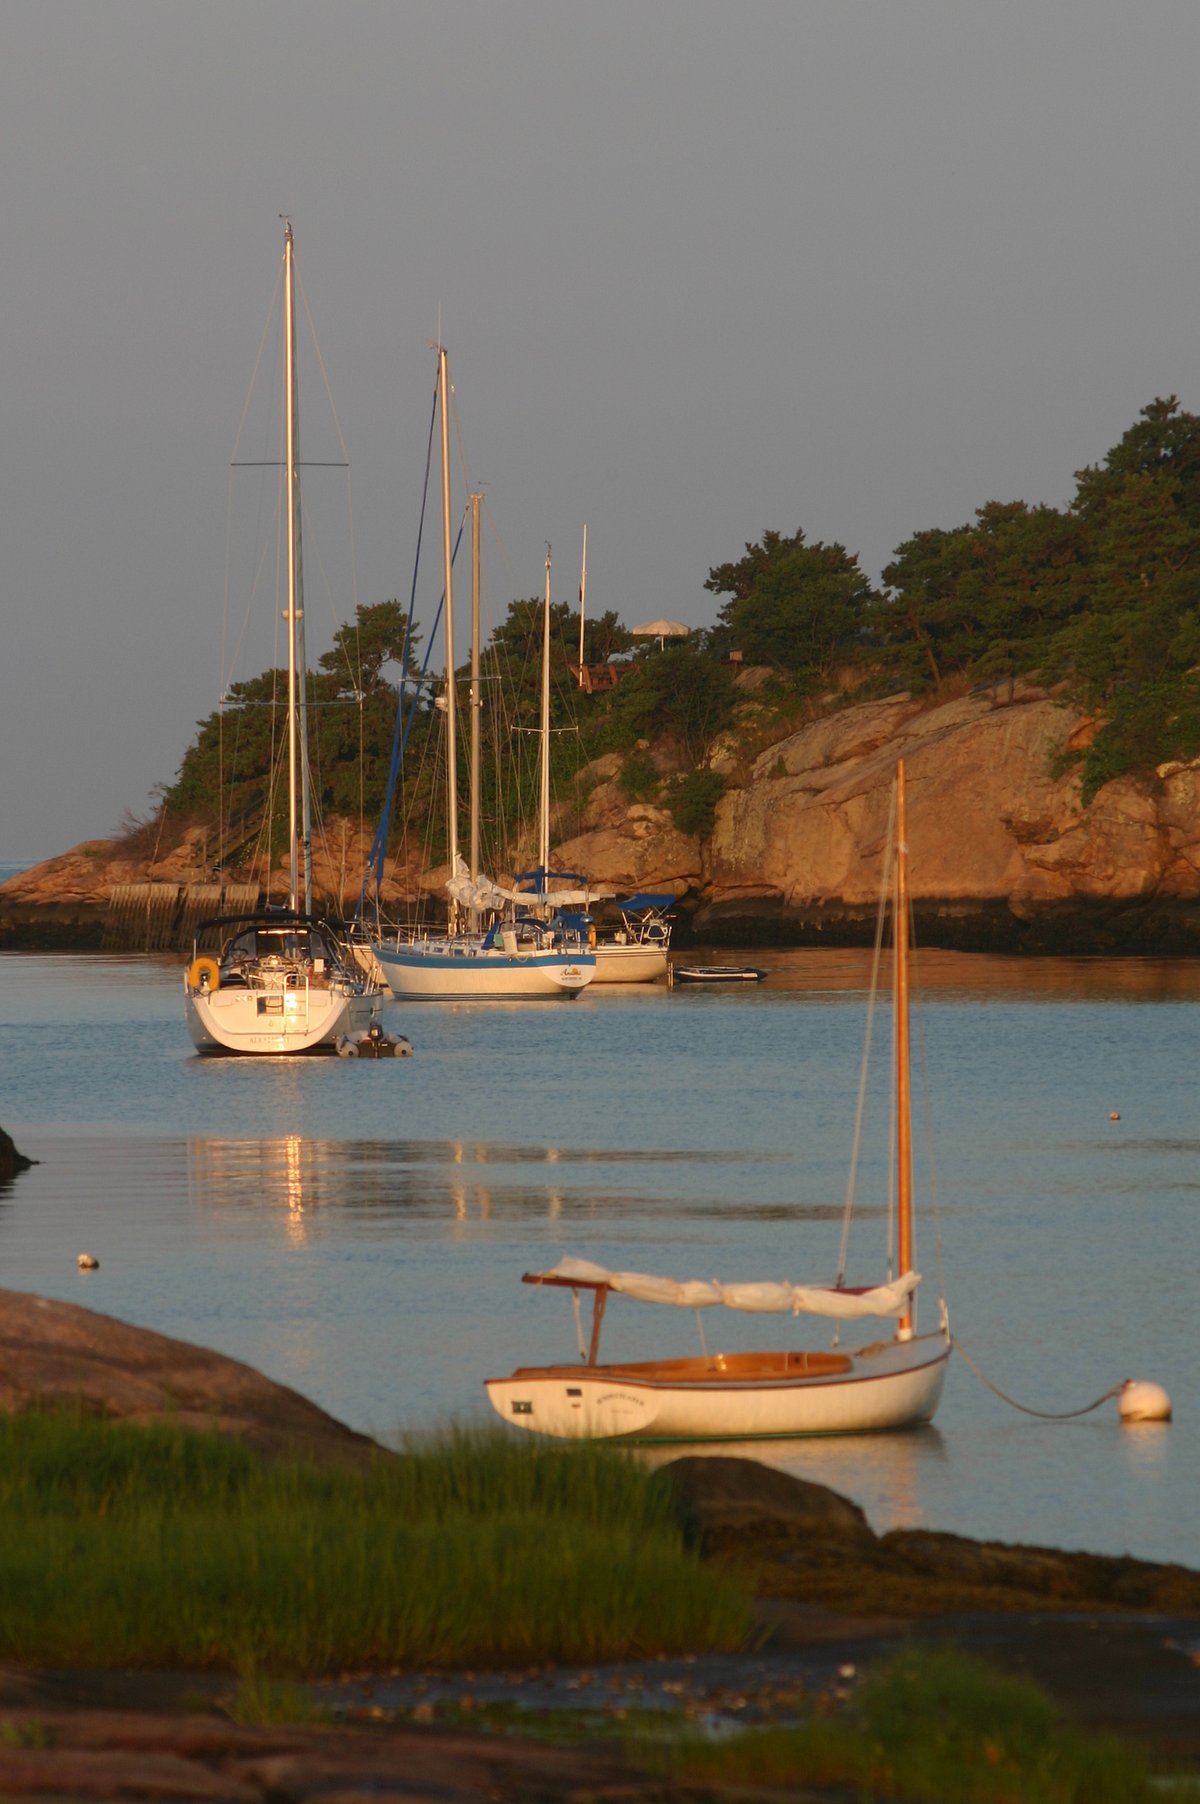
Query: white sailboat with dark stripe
(520, 957)
(892, 1382)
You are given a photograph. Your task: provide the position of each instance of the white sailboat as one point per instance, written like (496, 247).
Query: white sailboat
(282, 980)
(890, 1383)
(520, 957)
(636, 951)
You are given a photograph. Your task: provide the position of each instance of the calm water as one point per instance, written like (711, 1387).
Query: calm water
(358, 1230)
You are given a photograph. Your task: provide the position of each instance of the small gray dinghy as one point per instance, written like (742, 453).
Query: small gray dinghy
(717, 974)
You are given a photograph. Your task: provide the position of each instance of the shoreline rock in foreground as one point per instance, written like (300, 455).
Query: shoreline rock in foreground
(60, 1353)
(796, 1540)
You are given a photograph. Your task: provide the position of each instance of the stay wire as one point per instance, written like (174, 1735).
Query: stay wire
(1044, 1415)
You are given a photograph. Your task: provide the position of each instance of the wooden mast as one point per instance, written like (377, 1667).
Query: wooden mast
(476, 703)
(544, 786)
(903, 1097)
(448, 583)
(582, 601)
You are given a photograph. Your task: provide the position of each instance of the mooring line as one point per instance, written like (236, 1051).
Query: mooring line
(1046, 1415)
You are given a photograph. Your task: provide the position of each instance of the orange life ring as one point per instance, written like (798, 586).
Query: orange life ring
(201, 967)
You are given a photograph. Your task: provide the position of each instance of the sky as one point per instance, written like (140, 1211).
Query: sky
(703, 269)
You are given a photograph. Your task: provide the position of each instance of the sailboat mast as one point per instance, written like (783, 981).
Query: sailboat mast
(582, 600)
(903, 1097)
(448, 581)
(476, 697)
(544, 804)
(299, 802)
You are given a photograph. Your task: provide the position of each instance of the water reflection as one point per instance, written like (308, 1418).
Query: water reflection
(427, 1179)
(1146, 1447)
(295, 1189)
(963, 977)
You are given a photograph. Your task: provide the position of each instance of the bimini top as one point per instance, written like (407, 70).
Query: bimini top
(771, 1298)
(645, 900)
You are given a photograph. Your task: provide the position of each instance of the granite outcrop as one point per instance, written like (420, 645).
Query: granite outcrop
(1004, 853)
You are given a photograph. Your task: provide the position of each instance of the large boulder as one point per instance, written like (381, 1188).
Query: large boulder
(57, 1353)
(718, 1497)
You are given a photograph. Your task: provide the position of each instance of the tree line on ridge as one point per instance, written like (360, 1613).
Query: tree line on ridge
(1097, 600)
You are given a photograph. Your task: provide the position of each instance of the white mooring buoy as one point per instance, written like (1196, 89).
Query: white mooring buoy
(1142, 1401)
(88, 1262)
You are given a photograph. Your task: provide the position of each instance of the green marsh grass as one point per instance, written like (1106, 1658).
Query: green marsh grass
(158, 1547)
(930, 1727)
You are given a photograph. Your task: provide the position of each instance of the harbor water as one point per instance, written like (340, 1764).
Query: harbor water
(358, 1229)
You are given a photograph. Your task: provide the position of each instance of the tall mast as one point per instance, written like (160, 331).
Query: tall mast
(903, 1101)
(299, 799)
(448, 581)
(544, 809)
(582, 600)
(476, 696)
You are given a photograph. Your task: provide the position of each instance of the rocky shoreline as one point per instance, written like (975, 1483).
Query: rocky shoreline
(1004, 855)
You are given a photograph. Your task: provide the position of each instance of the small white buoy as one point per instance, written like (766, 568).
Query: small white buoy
(1142, 1401)
(1114, 1115)
(88, 1262)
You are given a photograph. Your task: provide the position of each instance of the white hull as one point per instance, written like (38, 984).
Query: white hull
(632, 963)
(895, 1385)
(306, 1019)
(466, 971)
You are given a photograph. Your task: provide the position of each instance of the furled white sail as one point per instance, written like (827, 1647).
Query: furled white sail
(479, 892)
(482, 892)
(773, 1298)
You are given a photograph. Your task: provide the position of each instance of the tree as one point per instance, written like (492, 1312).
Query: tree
(375, 637)
(793, 605)
(682, 690)
(1163, 441)
(984, 599)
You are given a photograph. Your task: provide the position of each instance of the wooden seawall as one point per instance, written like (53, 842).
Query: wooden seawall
(162, 917)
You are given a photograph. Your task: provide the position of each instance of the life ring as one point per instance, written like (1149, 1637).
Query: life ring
(204, 967)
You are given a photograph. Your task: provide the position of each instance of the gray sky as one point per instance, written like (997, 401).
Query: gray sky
(856, 266)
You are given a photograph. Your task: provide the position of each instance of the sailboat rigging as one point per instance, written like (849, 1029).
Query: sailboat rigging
(517, 958)
(893, 1383)
(282, 980)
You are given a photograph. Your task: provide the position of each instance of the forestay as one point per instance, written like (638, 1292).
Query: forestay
(768, 1298)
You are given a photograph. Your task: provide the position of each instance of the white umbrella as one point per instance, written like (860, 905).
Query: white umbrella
(660, 630)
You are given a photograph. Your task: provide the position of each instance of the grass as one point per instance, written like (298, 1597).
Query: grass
(927, 1728)
(156, 1547)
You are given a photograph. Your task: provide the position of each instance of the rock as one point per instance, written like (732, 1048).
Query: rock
(11, 1161)
(59, 1353)
(799, 1540)
(1056, 1579)
(718, 1497)
(1003, 853)
(86, 1754)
